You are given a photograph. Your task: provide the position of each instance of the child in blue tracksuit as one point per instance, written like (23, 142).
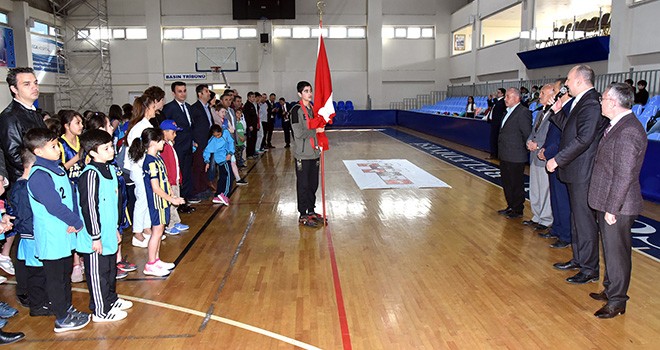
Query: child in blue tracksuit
(221, 146)
(98, 241)
(35, 278)
(53, 201)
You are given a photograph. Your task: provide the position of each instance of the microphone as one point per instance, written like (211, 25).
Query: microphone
(563, 91)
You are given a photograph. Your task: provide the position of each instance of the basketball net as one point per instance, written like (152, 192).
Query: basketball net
(216, 73)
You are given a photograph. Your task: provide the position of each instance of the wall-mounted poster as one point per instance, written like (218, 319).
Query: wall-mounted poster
(44, 54)
(7, 53)
(459, 42)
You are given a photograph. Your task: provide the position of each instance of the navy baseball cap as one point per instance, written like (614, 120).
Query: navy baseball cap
(168, 124)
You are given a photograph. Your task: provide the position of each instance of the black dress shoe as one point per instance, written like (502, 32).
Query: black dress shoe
(548, 234)
(540, 227)
(599, 296)
(581, 278)
(609, 311)
(8, 338)
(41, 311)
(569, 265)
(530, 223)
(504, 211)
(513, 215)
(560, 244)
(287, 146)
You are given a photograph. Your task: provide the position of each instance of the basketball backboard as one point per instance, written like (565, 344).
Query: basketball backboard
(224, 57)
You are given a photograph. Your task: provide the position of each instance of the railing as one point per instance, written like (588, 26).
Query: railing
(419, 101)
(652, 77)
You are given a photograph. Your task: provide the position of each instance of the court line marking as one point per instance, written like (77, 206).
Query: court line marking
(201, 314)
(339, 296)
(211, 309)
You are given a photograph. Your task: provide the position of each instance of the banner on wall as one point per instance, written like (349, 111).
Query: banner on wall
(7, 53)
(44, 54)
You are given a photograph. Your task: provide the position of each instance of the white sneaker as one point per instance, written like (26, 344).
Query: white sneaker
(122, 304)
(164, 265)
(140, 244)
(112, 316)
(7, 265)
(155, 270)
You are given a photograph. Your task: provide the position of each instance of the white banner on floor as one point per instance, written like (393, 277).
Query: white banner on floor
(390, 173)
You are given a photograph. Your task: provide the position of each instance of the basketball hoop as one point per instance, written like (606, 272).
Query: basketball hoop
(216, 73)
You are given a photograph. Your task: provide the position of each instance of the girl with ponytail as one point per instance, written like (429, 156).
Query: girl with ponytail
(158, 193)
(144, 108)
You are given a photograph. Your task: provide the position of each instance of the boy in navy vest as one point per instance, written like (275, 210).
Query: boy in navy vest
(53, 201)
(98, 241)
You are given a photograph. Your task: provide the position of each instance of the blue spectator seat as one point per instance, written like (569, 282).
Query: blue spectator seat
(341, 106)
(654, 136)
(349, 105)
(637, 109)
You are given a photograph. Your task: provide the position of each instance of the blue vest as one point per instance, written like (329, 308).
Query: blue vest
(52, 240)
(27, 250)
(108, 212)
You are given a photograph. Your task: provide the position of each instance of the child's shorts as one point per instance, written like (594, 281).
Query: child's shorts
(159, 216)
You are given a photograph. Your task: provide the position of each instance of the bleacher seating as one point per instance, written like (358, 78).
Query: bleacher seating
(349, 105)
(454, 105)
(654, 136)
(637, 109)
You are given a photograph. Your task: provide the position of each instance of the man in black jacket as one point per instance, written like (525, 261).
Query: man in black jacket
(495, 119)
(19, 117)
(201, 126)
(515, 128)
(581, 129)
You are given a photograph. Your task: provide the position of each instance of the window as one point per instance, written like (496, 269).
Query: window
(211, 33)
(301, 32)
(39, 28)
(307, 32)
(119, 34)
(229, 33)
(3, 18)
(282, 32)
(502, 26)
(338, 32)
(408, 32)
(192, 33)
(136, 33)
(172, 33)
(247, 32)
(462, 40)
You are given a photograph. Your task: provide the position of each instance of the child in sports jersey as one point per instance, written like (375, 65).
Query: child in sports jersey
(72, 127)
(221, 146)
(240, 138)
(54, 202)
(171, 160)
(159, 195)
(101, 122)
(98, 240)
(34, 278)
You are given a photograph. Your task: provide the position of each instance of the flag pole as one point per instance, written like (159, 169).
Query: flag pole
(320, 5)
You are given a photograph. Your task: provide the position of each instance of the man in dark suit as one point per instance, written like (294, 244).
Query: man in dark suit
(283, 113)
(495, 119)
(615, 194)
(250, 112)
(513, 154)
(201, 126)
(581, 131)
(179, 111)
(273, 108)
(561, 205)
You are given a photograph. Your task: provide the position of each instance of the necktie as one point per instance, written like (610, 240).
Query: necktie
(185, 111)
(607, 130)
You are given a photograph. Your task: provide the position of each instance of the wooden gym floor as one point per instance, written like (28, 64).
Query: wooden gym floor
(395, 269)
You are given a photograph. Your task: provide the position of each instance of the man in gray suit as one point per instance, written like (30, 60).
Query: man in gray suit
(539, 184)
(615, 193)
(515, 128)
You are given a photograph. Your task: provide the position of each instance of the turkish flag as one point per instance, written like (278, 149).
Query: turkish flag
(323, 106)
